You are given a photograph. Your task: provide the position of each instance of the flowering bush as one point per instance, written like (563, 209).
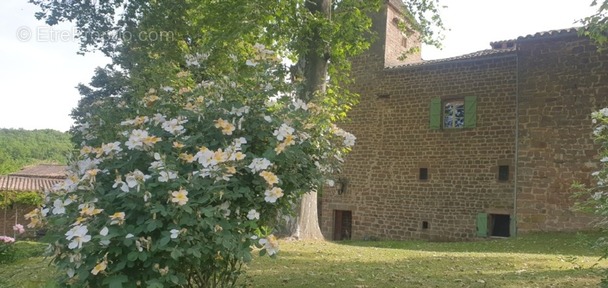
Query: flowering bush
(192, 181)
(19, 229)
(594, 198)
(6, 251)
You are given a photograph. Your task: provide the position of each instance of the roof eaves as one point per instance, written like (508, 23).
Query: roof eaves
(479, 55)
(549, 34)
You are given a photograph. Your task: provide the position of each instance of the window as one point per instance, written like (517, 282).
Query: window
(503, 173)
(453, 113)
(423, 174)
(425, 225)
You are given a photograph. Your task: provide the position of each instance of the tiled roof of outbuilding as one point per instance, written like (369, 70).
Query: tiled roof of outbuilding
(14, 183)
(44, 171)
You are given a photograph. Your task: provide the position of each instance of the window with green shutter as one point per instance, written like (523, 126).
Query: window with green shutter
(453, 113)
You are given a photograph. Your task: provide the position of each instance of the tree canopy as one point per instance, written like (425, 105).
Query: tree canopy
(19, 148)
(596, 25)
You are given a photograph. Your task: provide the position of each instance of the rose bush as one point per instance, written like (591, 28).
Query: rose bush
(193, 181)
(6, 249)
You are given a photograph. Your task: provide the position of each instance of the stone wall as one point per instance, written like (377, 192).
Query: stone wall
(533, 107)
(394, 140)
(562, 80)
(7, 220)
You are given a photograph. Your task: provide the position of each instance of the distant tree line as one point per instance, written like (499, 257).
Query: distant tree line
(19, 148)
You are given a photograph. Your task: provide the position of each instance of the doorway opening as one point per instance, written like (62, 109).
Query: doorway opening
(500, 225)
(343, 220)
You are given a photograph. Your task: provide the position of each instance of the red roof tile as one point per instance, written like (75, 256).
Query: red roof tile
(13, 183)
(43, 171)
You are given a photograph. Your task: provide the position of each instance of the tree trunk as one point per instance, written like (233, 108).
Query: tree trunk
(314, 62)
(306, 224)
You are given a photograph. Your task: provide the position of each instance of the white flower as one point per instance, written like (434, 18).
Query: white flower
(238, 142)
(128, 236)
(104, 231)
(165, 176)
(597, 195)
(330, 182)
(349, 139)
(268, 119)
(167, 89)
(180, 197)
(136, 178)
(78, 235)
(299, 104)
(174, 233)
(251, 63)
(141, 140)
(118, 182)
(225, 208)
(283, 131)
(259, 164)
(273, 194)
(174, 126)
(253, 214)
(111, 147)
(270, 244)
(239, 111)
(194, 60)
(87, 164)
(159, 118)
(59, 206)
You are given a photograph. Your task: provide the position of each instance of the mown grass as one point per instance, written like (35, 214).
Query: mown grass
(536, 260)
(30, 269)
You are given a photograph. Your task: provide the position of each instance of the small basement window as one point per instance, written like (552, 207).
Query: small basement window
(423, 174)
(503, 173)
(425, 225)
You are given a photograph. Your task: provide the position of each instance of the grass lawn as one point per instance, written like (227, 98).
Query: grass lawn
(537, 260)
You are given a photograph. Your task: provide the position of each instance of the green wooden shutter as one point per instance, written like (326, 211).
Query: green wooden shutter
(435, 114)
(482, 225)
(513, 227)
(470, 111)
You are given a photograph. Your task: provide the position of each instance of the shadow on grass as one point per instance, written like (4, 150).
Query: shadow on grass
(319, 269)
(576, 244)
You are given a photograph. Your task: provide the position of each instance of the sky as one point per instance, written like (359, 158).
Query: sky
(39, 67)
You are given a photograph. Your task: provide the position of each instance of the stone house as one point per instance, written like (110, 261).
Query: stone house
(484, 144)
(29, 179)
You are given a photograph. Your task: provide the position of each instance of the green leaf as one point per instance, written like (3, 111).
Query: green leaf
(115, 281)
(164, 241)
(132, 256)
(187, 209)
(151, 226)
(174, 279)
(176, 253)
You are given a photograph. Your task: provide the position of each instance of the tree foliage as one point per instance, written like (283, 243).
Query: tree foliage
(593, 198)
(158, 195)
(19, 148)
(596, 25)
